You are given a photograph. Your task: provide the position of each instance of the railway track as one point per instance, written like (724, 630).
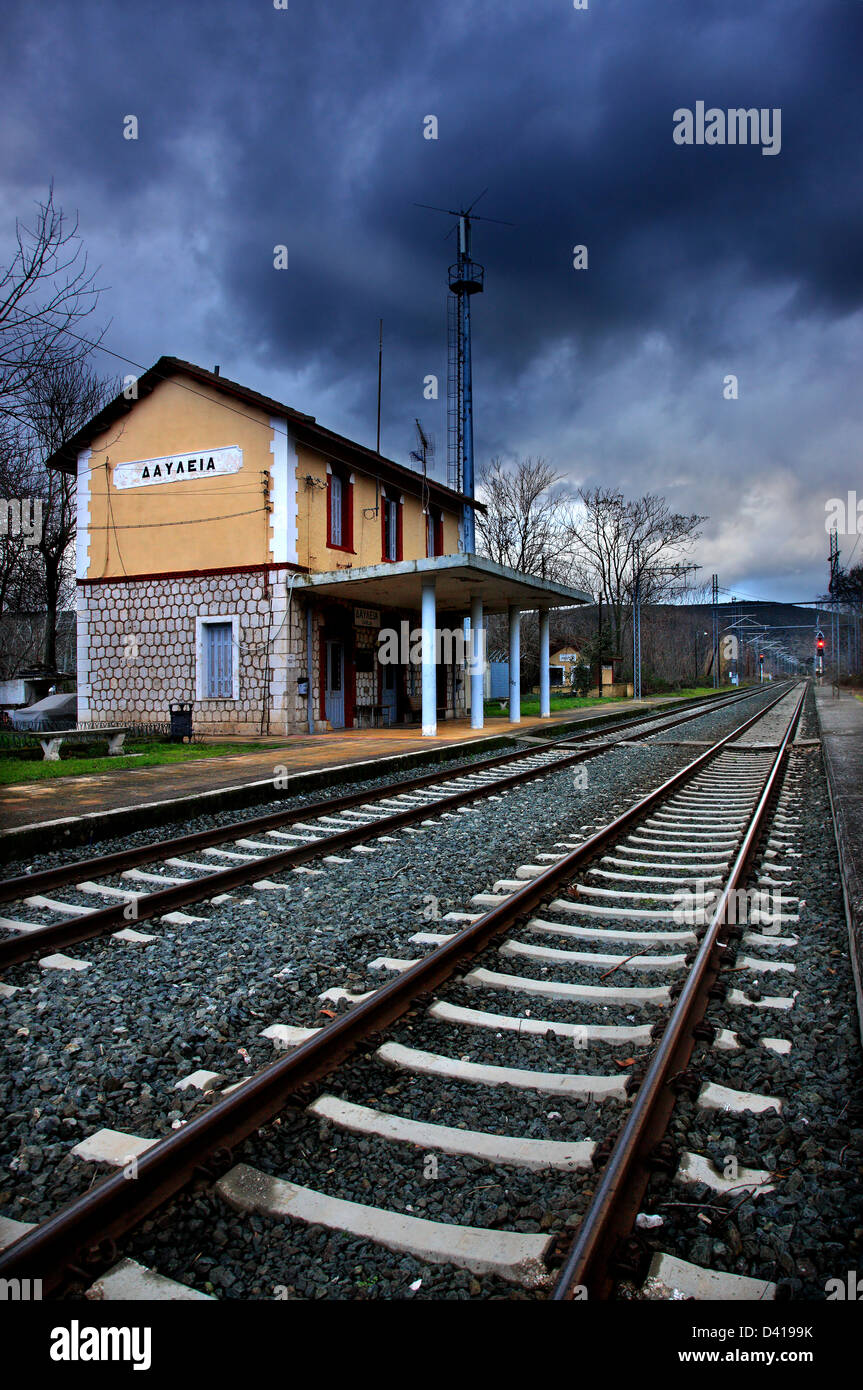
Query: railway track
(631, 927)
(205, 865)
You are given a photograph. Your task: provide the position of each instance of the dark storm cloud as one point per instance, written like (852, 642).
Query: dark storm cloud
(304, 127)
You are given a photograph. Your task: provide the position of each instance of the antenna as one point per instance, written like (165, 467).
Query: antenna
(422, 454)
(465, 212)
(465, 279)
(380, 369)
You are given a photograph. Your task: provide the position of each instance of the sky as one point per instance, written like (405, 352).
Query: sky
(305, 126)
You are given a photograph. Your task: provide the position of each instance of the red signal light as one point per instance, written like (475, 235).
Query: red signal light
(820, 644)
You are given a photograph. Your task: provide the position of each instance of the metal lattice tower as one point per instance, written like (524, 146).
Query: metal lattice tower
(465, 279)
(835, 653)
(454, 415)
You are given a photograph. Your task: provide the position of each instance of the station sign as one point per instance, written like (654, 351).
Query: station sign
(367, 617)
(172, 468)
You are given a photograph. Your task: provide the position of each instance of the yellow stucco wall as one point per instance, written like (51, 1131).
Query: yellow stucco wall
(223, 518)
(312, 548)
(220, 521)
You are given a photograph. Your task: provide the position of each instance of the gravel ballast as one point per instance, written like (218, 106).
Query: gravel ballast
(106, 1047)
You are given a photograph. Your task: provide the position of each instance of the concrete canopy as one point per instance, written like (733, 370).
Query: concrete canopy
(458, 578)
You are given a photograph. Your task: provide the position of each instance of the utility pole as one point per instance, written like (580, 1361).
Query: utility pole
(715, 607)
(696, 635)
(636, 630)
(380, 375)
(678, 570)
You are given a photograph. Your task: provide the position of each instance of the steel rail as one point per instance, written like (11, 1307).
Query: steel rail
(116, 1204)
(24, 885)
(70, 931)
(100, 922)
(615, 1203)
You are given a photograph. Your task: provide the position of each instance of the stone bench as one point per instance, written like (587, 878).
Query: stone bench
(52, 740)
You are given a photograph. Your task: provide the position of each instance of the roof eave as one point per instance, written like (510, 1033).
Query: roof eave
(66, 458)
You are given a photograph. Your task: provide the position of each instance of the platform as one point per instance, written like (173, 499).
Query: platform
(112, 802)
(841, 723)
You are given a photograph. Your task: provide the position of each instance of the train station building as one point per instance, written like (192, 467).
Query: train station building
(236, 556)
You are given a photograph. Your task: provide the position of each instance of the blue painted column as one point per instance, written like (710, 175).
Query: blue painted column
(477, 662)
(310, 666)
(544, 678)
(514, 666)
(429, 668)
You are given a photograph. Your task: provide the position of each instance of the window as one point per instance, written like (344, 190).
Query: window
(336, 505)
(392, 527)
(218, 661)
(335, 666)
(339, 511)
(434, 532)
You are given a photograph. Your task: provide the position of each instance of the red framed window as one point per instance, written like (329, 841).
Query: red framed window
(391, 527)
(434, 532)
(340, 510)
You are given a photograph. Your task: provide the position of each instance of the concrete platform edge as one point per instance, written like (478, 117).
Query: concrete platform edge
(852, 884)
(21, 840)
(17, 842)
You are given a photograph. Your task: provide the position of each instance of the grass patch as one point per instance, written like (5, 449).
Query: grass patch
(152, 753)
(530, 705)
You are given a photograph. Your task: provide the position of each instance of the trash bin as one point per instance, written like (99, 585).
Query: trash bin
(181, 723)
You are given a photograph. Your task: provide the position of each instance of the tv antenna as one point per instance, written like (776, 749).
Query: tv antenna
(422, 454)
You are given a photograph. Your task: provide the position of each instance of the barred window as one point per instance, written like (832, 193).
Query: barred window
(218, 661)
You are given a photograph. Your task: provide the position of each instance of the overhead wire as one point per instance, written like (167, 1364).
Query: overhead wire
(234, 410)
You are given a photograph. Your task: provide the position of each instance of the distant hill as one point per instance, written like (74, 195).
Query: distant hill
(676, 638)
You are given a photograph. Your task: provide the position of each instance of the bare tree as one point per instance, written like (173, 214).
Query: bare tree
(60, 400)
(612, 539)
(21, 587)
(47, 391)
(523, 526)
(46, 292)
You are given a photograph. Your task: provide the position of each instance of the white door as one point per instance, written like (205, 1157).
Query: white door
(334, 692)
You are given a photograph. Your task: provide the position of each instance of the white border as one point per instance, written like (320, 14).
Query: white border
(283, 494)
(82, 533)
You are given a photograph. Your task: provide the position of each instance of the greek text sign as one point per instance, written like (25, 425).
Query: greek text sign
(367, 617)
(207, 463)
